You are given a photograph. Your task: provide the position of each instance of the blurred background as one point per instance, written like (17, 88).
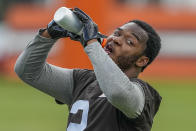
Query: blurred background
(173, 73)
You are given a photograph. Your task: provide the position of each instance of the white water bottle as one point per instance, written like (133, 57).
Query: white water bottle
(65, 18)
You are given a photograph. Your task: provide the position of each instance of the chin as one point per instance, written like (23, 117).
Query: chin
(113, 58)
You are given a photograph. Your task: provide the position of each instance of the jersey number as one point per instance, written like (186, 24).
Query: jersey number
(79, 105)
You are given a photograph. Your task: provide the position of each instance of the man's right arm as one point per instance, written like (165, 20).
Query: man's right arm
(32, 68)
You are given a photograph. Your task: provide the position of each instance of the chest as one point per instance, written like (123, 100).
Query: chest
(90, 108)
(87, 91)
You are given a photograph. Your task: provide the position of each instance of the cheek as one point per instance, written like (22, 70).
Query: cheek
(132, 51)
(118, 51)
(121, 51)
(127, 50)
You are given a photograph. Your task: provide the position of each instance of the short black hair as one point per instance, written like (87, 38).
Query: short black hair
(153, 44)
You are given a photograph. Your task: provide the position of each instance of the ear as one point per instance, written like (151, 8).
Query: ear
(142, 61)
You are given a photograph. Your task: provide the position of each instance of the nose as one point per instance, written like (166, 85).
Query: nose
(116, 40)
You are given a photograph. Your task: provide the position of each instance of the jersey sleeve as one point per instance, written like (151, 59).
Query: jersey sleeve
(32, 68)
(122, 93)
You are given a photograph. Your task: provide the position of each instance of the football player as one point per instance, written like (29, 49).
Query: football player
(109, 98)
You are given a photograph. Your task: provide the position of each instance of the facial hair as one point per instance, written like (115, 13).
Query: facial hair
(126, 62)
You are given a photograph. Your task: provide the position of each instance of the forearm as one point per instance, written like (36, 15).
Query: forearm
(32, 68)
(33, 58)
(119, 90)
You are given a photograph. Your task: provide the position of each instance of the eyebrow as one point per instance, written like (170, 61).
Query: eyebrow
(134, 34)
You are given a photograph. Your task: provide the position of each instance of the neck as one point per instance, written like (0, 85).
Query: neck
(132, 72)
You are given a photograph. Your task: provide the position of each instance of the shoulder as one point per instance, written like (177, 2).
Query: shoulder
(145, 86)
(82, 77)
(152, 96)
(82, 71)
(79, 74)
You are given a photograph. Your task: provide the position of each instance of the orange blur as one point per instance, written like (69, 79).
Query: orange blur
(108, 14)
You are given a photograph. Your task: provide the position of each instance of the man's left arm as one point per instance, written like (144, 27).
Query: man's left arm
(119, 90)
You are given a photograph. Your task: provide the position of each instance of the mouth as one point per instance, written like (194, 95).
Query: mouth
(108, 48)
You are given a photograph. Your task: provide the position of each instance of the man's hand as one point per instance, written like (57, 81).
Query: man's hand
(90, 29)
(56, 32)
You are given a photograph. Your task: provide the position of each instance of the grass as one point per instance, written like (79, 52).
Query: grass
(178, 108)
(23, 108)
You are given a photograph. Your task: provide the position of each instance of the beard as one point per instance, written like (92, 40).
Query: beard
(126, 62)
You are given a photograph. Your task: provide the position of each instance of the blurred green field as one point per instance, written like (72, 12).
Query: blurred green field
(23, 108)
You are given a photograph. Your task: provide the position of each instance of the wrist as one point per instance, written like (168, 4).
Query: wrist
(91, 41)
(44, 33)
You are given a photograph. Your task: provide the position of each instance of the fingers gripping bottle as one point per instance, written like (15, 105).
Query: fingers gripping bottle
(65, 18)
